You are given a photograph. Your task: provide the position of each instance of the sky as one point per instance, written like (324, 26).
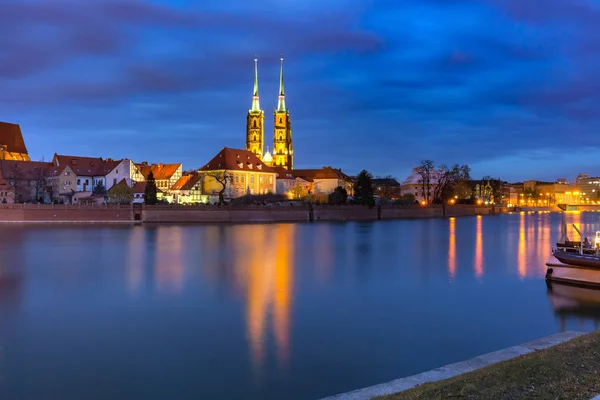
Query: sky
(509, 87)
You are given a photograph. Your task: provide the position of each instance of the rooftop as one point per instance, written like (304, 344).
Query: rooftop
(12, 138)
(236, 160)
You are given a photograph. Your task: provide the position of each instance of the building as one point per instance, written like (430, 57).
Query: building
(140, 188)
(188, 190)
(7, 192)
(325, 180)
(537, 193)
(12, 145)
(124, 170)
(413, 185)
(29, 180)
(293, 186)
(235, 173)
(589, 187)
(387, 188)
(283, 151)
(165, 175)
(75, 177)
(255, 121)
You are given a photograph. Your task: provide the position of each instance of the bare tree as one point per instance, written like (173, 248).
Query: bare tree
(425, 170)
(39, 183)
(448, 178)
(222, 177)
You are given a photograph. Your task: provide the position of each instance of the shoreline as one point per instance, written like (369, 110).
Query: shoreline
(115, 214)
(453, 370)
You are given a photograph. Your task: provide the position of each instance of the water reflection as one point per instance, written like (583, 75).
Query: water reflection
(479, 248)
(135, 265)
(452, 249)
(575, 304)
(522, 258)
(169, 252)
(264, 264)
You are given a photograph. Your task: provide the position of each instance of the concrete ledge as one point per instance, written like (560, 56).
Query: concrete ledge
(453, 370)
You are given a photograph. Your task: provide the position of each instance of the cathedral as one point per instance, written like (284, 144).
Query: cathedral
(283, 152)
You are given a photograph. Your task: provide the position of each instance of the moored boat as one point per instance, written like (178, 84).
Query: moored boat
(573, 274)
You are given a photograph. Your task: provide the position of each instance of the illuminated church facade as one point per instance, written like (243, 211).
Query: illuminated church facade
(283, 151)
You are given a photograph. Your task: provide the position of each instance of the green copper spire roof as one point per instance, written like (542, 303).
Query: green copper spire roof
(281, 103)
(255, 101)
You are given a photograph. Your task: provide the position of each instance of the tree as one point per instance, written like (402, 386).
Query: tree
(363, 188)
(425, 170)
(150, 193)
(222, 177)
(39, 183)
(388, 188)
(448, 177)
(99, 189)
(338, 196)
(120, 194)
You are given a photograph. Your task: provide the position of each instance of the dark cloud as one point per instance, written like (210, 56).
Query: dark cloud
(454, 80)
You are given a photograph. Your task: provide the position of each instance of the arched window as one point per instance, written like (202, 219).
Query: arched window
(280, 137)
(254, 123)
(254, 138)
(280, 120)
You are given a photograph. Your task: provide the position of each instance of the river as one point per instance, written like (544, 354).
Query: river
(267, 311)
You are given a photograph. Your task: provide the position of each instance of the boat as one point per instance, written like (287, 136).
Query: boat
(576, 267)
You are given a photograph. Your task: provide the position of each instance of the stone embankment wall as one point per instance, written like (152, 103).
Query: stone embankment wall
(209, 213)
(64, 213)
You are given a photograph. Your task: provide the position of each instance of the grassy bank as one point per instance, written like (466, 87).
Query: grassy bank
(566, 371)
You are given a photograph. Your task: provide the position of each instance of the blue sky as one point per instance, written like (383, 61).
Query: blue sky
(510, 87)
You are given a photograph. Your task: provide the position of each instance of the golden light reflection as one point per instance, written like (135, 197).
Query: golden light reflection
(135, 264)
(264, 264)
(522, 257)
(452, 249)
(169, 264)
(479, 248)
(544, 242)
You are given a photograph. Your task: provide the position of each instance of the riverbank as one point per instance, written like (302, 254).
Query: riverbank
(41, 213)
(564, 371)
(564, 365)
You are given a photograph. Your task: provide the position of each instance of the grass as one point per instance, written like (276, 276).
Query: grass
(566, 371)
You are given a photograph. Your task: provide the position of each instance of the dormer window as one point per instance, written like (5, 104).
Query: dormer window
(259, 166)
(240, 165)
(249, 165)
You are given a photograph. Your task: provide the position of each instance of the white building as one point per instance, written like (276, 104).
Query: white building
(127, 170)
(413, 185)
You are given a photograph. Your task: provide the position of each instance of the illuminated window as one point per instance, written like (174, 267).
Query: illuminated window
(252, 178)
(242, 179)
(270, 179)
(261, 179)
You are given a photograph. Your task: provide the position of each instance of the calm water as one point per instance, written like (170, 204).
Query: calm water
(294, 311)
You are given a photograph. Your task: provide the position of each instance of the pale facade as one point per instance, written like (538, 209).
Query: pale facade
(127, 170)
(412, 185)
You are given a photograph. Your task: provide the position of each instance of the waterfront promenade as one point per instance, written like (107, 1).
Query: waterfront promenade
(42, 213)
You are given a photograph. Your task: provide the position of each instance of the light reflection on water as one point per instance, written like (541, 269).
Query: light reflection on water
(274, 310)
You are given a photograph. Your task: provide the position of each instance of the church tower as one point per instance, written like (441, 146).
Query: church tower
(283, 152)
(255, 133)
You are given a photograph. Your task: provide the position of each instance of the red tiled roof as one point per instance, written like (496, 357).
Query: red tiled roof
(12, 138)
(323, 173)
(160, 171)
(186, 182)
(236, 160)
(283, 173)
(85, 166)
(140, 187)
(24, 169)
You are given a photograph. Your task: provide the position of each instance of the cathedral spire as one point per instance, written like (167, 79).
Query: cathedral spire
(255, 101)
(281, 103)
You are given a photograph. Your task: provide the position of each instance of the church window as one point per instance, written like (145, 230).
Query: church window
(254, 123)
(254, 137)
(280, 120)
(280, 137)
